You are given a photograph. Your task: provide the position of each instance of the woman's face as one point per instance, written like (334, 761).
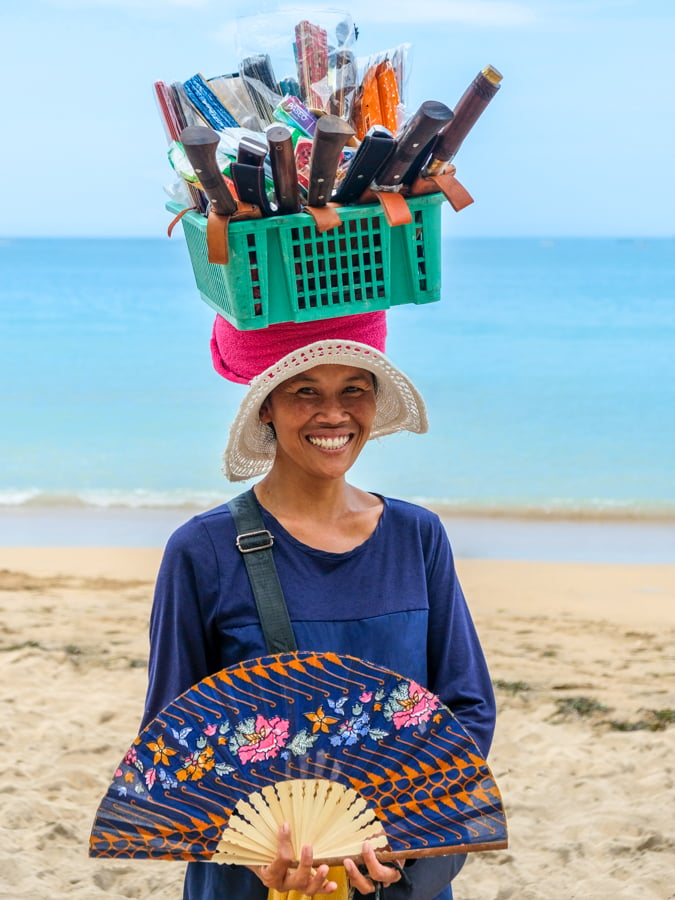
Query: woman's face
(322, 418)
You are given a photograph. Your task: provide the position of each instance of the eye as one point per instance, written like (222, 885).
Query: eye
(356, 389)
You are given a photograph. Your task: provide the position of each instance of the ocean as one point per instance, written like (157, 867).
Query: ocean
(548, 368)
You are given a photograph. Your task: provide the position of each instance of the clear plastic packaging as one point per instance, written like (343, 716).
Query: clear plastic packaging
(302, 53)
(381, 97)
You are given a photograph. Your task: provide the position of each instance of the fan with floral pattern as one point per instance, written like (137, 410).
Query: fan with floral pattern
(340, 748)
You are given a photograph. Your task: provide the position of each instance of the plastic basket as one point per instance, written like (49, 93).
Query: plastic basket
(282, 269)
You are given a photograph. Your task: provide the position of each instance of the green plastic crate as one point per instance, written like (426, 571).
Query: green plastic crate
(282, 270)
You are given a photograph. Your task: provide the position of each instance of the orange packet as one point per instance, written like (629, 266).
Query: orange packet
(368, 112)
(388, 96)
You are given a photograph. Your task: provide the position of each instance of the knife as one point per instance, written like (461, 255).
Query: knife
(346, 79)
(469, 107)
(199, 143)
(284, 170)
(420, 129)
(251, 185)
(422, 158)
(331, 134)
(374, 150)
(251, 151)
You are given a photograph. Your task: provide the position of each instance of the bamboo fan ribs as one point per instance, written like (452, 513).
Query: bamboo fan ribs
(341, 749)
(325, 814)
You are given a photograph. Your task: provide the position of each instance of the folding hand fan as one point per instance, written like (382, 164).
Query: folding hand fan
(339, 748)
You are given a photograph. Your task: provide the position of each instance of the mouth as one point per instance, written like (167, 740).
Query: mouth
(330, 443)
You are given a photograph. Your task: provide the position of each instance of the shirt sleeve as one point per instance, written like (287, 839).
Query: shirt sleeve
(181, 645)
(458, 671)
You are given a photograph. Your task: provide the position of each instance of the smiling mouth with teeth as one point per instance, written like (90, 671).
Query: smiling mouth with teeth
(335, 443)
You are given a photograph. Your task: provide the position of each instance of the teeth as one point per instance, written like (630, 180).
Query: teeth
(335, 443)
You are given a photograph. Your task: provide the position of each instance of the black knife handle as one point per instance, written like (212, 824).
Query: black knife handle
(199, 143)
(284, 169)
(420, 129)
(250, 151)
(250, 184)
(374, 150)
(331, 134)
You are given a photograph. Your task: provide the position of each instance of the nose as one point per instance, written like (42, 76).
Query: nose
(332, 410)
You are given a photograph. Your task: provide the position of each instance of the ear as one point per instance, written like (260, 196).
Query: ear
(265, 413)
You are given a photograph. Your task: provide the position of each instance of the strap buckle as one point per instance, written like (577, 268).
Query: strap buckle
(251, 541)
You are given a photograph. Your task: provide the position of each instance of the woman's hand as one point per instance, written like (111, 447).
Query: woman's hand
(377, 871)
(304, 878)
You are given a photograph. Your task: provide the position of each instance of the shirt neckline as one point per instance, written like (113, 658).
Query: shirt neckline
(277, 529)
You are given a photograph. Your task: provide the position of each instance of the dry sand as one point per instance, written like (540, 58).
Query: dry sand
(582, 656)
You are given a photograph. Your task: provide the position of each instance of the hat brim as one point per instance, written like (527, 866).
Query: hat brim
(251, 447)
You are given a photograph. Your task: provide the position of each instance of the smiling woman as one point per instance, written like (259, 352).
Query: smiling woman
(252, 447)
(360, 574)
(321, 420)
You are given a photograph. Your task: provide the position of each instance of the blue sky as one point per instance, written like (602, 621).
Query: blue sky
(579, 141)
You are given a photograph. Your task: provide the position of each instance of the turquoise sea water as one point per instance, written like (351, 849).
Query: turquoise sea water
(548, 368)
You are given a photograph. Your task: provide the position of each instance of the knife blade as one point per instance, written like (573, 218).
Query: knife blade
(199, 143)
(420, 129)
(284, 170)
(331, 134)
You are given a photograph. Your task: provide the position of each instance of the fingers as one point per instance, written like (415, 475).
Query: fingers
(280, 875)
(276, 871)
(375, 871)
(305, 879)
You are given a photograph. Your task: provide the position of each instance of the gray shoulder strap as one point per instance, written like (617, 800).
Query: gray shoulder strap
(254, 542)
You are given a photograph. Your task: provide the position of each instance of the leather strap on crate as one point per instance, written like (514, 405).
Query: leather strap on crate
(176, 219)
(456, 194)
(325, 217)
(217, 227)
(395, 207)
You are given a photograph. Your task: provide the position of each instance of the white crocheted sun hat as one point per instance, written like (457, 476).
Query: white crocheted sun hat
(251, 446)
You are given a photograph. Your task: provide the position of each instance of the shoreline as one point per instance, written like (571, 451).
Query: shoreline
(588, 538)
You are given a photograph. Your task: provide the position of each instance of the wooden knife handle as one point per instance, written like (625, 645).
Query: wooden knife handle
(420, 129)
(199, 143)
(284, 169)
(331, 134)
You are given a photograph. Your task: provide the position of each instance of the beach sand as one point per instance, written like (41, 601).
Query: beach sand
(582, 655)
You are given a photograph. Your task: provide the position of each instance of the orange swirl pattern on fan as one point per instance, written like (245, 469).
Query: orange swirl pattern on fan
(302, 715)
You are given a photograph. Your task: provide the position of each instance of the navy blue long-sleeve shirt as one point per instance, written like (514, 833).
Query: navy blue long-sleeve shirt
(394, 600)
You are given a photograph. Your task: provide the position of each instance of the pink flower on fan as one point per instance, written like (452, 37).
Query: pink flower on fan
(210, 730)
(150, 777)
(417, 706)
(131, 756)
(267, 740)
(366, 697)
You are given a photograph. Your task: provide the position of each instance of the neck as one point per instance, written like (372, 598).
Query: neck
(305, 496)
(327, 514)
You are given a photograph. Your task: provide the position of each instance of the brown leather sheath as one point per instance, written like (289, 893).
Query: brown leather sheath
(217, 227)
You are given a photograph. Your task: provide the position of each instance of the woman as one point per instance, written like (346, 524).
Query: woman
(361, 574)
